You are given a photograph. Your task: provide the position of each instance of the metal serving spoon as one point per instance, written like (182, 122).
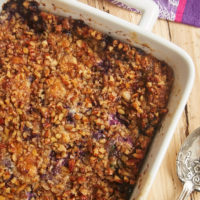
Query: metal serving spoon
(188, 164)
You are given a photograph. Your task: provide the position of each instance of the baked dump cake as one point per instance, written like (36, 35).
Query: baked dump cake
(78, 109)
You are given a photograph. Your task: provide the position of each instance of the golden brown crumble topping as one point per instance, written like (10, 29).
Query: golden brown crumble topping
(78, 109)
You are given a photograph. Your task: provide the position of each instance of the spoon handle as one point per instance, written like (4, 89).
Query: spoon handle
(187, 190)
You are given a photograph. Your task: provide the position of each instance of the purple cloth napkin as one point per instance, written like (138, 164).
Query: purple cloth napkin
(183, 11)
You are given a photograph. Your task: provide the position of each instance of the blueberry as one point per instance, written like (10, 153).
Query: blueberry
(27, 129)
(30, 196)
(53, 155)
(98, 135)
(113, 120)
(122, 119)
(31, 78)
(70, 118)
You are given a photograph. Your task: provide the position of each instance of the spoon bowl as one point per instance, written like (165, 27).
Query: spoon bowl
(188, 164)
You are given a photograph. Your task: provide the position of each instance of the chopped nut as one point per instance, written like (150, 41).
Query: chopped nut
(58, 136)
(14, 158)
(121, 111)
(7, 190)
(126, 95)
(2, 185)
(149, 84)
(117, 179)
(138, 155)
(110, 48)
(84, 191)
(102, 150)
(120, 46)
(53, 139)
(2, 198)
(25, 50)
(79, 43)
(44, 43)
(14, 181)
(61, 148)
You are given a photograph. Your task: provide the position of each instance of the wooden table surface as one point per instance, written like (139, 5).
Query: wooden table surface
(167, 185)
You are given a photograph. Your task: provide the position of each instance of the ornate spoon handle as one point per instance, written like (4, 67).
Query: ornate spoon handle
(187, 190)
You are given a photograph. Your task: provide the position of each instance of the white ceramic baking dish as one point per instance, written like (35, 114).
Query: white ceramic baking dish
(140, 36)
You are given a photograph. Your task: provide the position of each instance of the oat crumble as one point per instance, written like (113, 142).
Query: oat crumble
(78, 109)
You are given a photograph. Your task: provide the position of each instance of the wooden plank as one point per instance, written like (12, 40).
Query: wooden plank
(167, 185)
(114, 10)
(188, 38)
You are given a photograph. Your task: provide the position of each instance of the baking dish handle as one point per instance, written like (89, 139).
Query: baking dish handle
(148, 8)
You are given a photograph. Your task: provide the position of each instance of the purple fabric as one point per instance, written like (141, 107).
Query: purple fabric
(167, 8)
(191, 13)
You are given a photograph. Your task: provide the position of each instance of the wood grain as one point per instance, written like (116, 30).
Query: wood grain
(167, 185)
